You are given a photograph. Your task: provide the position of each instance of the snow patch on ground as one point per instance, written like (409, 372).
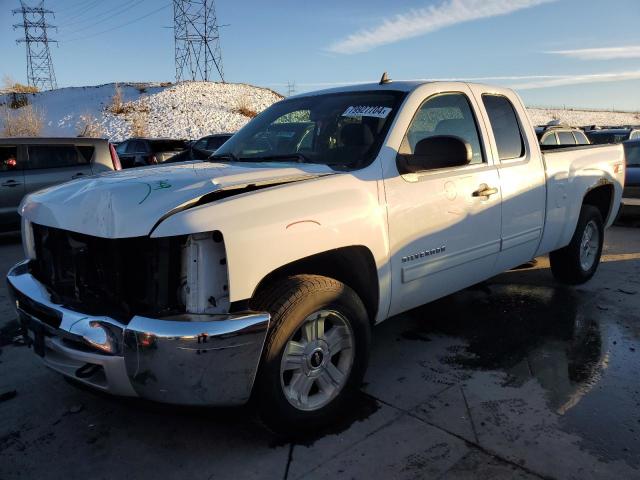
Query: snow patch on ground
(191, 110)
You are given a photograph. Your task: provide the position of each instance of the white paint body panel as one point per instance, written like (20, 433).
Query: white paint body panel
(315, 209)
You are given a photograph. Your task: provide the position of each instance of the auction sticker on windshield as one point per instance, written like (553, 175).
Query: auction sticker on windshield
(365, 111)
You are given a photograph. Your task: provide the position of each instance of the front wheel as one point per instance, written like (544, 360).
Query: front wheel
(315, 354)
(577, 262)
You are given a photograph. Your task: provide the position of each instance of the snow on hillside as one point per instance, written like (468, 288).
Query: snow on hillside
(191, 110)
(185, 110)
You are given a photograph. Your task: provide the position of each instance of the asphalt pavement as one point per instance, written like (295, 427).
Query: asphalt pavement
(518, 377)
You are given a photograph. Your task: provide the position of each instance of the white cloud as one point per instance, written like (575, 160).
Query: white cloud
(608, 53)
(429, 19)
(564, 80)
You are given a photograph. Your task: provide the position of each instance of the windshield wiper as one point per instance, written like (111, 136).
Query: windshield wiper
(299, 157)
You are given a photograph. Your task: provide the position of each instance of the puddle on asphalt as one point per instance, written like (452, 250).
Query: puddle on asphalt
(582, 354)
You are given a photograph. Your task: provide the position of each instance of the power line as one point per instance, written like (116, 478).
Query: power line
(114, 12)
(119, 26)
(40, 72)
(197, 40)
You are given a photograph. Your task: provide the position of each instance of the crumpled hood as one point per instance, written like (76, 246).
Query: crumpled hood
(129, 203)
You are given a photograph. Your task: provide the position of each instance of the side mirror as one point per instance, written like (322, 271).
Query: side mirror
(440, 151)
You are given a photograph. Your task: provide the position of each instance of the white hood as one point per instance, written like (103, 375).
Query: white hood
(129, 203)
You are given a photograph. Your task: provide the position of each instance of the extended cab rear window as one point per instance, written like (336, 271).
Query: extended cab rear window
(505, 126)
(55, 156)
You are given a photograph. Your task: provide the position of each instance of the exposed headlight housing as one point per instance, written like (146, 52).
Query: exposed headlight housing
(204, 277)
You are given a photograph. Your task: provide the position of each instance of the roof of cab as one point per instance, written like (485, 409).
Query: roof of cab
(52, 140)
(393, 86)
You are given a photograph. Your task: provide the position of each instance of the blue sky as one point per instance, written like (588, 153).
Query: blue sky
(574, 53)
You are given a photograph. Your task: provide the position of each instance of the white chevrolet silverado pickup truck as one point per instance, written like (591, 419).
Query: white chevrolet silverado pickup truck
(260, 273)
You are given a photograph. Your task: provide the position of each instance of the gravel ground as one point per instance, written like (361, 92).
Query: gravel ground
(518, 377)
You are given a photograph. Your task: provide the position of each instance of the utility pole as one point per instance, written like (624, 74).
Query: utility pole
(40, 72)
(197, 40)
(291, 88)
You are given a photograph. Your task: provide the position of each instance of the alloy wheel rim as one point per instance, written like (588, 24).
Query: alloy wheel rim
(589, 245)
(317, 360)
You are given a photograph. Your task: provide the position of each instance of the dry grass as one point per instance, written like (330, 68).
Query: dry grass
(244, 108)
(139, 126)
(118, 105)
(88, 126)
(24, 122)
(11, 86)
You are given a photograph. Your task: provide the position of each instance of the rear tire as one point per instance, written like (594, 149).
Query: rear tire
(577, 262)
(315, 354)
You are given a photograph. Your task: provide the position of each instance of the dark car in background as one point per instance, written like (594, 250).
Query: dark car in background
(613, 135)
(30, 164)
(631, 193)
(137, 152)
(202, 148)
(561, 135)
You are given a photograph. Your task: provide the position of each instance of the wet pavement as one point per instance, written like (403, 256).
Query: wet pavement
(517, 377)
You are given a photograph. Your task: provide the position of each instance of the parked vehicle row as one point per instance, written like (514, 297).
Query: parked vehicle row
(30, 164)
(328, 213)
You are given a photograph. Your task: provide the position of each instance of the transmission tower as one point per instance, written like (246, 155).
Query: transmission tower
(40, 72)
(291, 88)
(197, 40)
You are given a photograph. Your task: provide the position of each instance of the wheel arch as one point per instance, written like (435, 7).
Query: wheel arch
(354, 266)
(601, 196)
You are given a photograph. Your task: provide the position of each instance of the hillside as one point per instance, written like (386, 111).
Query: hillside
(184, 110)
(194, 109)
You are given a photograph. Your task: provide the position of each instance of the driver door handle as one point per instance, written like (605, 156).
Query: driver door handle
(11, 183)
(485, 191)
(78, 175)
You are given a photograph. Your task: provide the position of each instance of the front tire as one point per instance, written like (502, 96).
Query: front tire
(315, 354)
(577, 262)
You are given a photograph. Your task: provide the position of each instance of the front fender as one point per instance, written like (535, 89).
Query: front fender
(266, 229)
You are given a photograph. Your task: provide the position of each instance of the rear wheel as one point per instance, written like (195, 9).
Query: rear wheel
(315, 354)
(577, 262)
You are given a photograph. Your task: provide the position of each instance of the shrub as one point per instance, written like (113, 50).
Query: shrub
(24, 122)
(88, 126)
(244, 108)
(117, 105)
(139, 126)
(18, 100)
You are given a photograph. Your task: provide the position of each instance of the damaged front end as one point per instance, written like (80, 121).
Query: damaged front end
(139, 316)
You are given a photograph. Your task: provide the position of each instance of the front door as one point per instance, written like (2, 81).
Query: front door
(11, 187)
(444, 235)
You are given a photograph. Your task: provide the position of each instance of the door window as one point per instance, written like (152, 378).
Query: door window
(9, 158)
(445, 114)
(54, 156)
(581, 138)
(505, 126)
(566, 138)
(550, 139)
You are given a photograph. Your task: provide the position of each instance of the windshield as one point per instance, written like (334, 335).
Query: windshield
(342, 130)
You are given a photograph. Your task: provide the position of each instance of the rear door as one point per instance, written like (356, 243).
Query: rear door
(52, 164)
(11, 186)
(522, 176)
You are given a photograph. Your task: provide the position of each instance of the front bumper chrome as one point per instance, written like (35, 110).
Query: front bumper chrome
(211, 362)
